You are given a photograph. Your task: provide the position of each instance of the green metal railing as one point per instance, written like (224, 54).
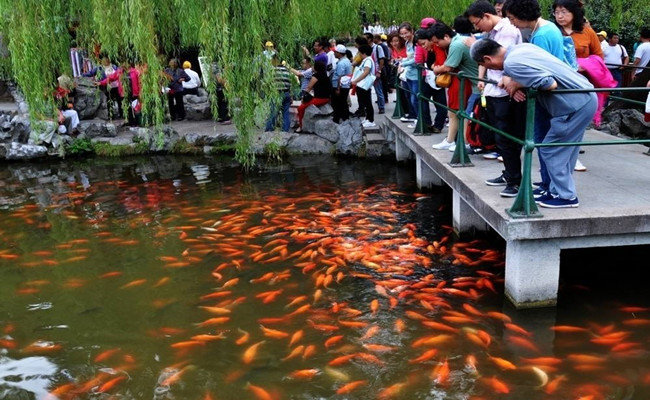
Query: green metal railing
(524, 205)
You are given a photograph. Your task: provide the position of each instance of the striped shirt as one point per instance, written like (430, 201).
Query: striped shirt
(282, 78)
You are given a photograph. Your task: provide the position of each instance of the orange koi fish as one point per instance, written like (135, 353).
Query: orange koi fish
(111, 384)
(273, 333)
(498, 386)
(251, 352)
(440, 373)
(135, 283)
(309, 351)
(426, 356)
(332, 341)
(259, 392)
(294, 353)
(502, 363)
(213, 321)
(304, 373)
(208, 338)
(295, 338)
(347, 388)
(105, 355)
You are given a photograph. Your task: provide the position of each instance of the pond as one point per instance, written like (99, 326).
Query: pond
(186, 278)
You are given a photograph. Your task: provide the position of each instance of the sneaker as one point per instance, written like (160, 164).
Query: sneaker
(500, 181)
(493, 155)
(381, 111)
(411, 126)
(500, 159)
(537, 184)
(433, 129)
(579, 166)
(452, 148)
(444, 145)
(557, 202)
(475, 150)
(510, 191)
(369, 124)
(539, 192)
(407, 120)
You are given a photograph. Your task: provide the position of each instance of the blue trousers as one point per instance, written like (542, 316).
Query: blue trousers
(542, 125)
(412, 85)
(560, 161)
(286, 117)
(381, 100)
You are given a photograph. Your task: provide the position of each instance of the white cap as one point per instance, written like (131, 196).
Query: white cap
(341, 49)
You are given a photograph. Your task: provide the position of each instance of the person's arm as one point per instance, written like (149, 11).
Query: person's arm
(626, 57)
(296, 72)
(311, 84)
(481, 74)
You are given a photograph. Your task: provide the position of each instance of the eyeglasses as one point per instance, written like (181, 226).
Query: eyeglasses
(561, 13)
(476, 22)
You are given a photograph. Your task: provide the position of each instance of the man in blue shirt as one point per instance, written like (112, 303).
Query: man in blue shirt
(341, 85)
(525, 66)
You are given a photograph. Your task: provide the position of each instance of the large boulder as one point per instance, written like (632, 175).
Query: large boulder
(20, 151)
(20, 130)
(350, 137)
(89, 99)
(157, 139)
(264, 141)
(216, 139)
(93, 129)
(313, 114)
(628, 122)
(197, 107)
(309, 144)
(327, 129)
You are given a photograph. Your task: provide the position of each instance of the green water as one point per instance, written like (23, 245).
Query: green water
(123, 261)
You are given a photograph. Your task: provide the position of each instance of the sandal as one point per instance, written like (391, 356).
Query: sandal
(298, 130)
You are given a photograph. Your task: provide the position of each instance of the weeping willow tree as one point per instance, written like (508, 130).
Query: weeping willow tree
(229, 32)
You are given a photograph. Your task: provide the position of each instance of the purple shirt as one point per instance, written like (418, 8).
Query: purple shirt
(321, 57)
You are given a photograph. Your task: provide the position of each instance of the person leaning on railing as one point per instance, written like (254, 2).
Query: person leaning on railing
(525, 66)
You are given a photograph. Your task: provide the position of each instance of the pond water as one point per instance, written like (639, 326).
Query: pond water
(185, 278)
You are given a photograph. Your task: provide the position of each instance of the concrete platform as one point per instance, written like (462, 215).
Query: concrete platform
(614, 210)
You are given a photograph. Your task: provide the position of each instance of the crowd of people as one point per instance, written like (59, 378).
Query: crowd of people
(507, 42)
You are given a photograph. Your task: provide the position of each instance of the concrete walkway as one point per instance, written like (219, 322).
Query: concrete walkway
(614, 209)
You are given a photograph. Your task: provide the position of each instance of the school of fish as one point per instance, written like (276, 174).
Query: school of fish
(308, 292)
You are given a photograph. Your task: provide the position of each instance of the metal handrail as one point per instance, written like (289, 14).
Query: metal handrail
(524, 205)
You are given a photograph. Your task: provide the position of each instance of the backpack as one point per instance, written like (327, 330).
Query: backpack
(478, 136)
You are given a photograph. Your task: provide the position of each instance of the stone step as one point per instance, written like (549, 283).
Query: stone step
(374, 137)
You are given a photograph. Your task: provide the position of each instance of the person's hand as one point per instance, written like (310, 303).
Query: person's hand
(519, 96)
(338, 92)
(480, 85)
(70, 106)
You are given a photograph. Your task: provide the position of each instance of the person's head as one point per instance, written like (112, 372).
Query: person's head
(383, 37)
(106, 61)
(406, 32)
(613, 39)
(360, 41)
(339, 51)
(376, 39)
(427, 22)
(441, 35)
(645, 34)
(462, 25)
(488, 53)
(369, 37)
(173, 63)
(569, 14)
(479, 14)
(332, 43)
(423, 38)
(319, 45)
(269, 45)
(602, 36)
(319, 66)
(521, 12)
(187, 65)
(348, 54)
(365, 50)
(396, 41)
(306, 62)
(498, 7)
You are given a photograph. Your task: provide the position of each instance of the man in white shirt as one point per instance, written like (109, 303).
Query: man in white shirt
(615, 54)
(642, 54)
(192, 86)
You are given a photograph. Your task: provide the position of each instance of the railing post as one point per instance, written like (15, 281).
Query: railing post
(398, 112)
(524, 205)
(419, 125)
(460, 157)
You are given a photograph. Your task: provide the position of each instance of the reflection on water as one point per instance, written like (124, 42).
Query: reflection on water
(184, 278)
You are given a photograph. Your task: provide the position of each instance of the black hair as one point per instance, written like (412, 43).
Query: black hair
(365, 49)
(368, 36)
(439, 30)
(307, 58)
(319, 66)
(407, 26)
(645, 33)
(462, 25)
(348, 54)
(377, 37)
(482, 48)
(479, 8)
(423, 34)
(613, 34)
(361, 40)
(525, 10)
(575, 8)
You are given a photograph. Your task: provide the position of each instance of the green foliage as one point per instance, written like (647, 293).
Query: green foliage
(79, 146)
(275, 153)
(231, 33)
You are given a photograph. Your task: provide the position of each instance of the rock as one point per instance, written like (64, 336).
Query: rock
(327, 129)
(262, 141)
(20, 130)
(350, 137)
(216, 139)
(309, 144)
(192, 99)
(198, 111)
(20, 151)
(312, 114)
(627, 122)
(88, 99)
(162, 139)
(93, 129)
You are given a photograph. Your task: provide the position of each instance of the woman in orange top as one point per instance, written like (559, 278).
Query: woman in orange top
(570, 17)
